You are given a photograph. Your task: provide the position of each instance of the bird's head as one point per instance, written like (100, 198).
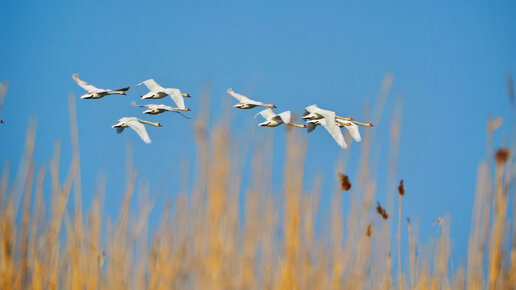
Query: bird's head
(186, 95)
(159, 125)
(187, 109)
(270, 106)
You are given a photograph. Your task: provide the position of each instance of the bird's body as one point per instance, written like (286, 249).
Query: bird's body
(94, 92)
(154, 109)
(273, 120)
(245, 102)
(135, 124)
(317, 116)
(158, 92)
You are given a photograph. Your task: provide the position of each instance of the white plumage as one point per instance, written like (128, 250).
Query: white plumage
(157, 92)
(135, 124)
(154, 109)
(317, 116)
(246, 103)
(94, 92)
(273, 120)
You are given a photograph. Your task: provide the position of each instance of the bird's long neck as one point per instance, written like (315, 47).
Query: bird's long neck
(149, 123)
(354, 122)
(363, 124)
(296, 125)
(344, 118)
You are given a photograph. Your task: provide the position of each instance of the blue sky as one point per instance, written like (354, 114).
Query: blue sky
(449, 60)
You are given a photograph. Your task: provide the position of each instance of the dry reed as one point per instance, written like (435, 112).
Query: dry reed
(202, 241)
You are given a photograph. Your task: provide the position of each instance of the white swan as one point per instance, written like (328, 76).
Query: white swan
(135, 124)
(352, 127)
(94, 92)
(273, 120)
(154, 109)
(158, 92)
(317, 116)
(245, 102)
(311, 113)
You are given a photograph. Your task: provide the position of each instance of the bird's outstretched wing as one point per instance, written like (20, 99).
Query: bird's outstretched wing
(172, 109)
(310, 127)
(285, 117)
(176, 96)
(353, 130)
(328, 122)
(88, 87)
(151, 85)
(239, 97)
(165, 107)
(140, 130)
(312, 109)
(267, 114)
(143, 106)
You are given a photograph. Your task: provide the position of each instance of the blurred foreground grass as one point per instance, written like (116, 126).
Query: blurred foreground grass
(204, 243)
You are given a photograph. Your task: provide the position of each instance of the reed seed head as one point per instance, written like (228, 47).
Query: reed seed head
(401, 188)
(502, 155)
(381, 211)
(345, 184)
(369, 230)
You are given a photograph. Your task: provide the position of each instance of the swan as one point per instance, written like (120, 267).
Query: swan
(317, 116)
(245, 102)
(273, 120)
(154, 109)
(158, 92)
(351, 126)
(135, 124)
(96, 93)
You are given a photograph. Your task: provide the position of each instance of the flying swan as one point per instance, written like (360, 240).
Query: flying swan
(135, 124)
(273, 120)
(245, 102)
(96, 93)
(154, 109)
(158, 92)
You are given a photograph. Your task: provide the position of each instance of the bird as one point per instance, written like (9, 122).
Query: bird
(158, 92)
(245, 102)
(154, 109)
(273, 120)
(96, 93)
(317, 116)
(135, 124)
(351, 126)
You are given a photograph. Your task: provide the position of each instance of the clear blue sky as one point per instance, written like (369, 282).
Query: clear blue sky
(449, 61)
